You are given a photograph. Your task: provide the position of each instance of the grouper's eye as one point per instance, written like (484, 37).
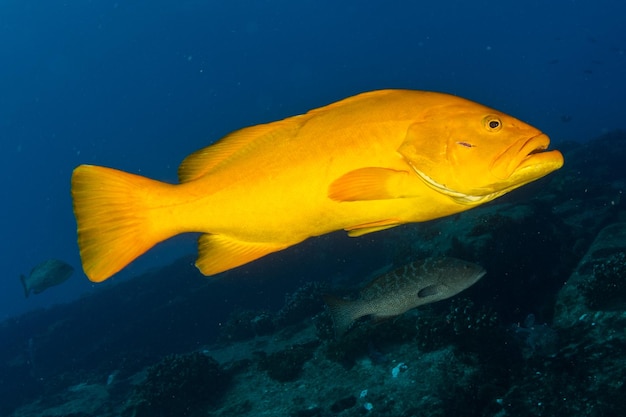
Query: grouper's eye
(492, 123)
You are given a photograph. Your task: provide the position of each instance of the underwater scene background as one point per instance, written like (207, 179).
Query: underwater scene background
(140, 85)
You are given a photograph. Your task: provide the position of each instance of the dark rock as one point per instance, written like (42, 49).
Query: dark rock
(598, 281)
(584, 376)
(286, 365)
(308, 412)
(343, 404)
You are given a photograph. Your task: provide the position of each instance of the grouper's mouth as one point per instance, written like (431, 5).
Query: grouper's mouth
(523, 162)
(526, 160)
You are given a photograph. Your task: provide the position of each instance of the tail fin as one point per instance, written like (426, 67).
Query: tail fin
(343, 312)
(116, 223)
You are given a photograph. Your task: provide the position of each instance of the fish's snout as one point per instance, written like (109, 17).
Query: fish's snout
(535, 154)
(527, 153)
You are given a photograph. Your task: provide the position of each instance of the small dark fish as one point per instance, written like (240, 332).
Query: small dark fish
(45, 275)
(415, 284)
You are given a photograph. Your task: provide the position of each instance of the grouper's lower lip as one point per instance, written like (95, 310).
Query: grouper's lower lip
(534, 154)
(528, 156)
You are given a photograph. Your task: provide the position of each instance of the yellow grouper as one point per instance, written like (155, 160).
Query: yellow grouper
(363, 164)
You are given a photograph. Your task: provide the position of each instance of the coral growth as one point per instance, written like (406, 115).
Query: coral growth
(606, 288)
(305, 302)
(464, 323)
(536, 340)
(245, 324)
(300, 305)
(178, 386)
(286, 365)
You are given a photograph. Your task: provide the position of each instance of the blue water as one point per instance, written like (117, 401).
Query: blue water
(140, 85)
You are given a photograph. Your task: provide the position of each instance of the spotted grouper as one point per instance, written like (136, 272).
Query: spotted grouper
(415, 284)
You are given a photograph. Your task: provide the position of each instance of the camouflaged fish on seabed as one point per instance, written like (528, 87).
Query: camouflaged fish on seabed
(45, 275)
(415, 284)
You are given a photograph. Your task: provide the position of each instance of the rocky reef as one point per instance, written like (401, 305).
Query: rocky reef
(542, 334)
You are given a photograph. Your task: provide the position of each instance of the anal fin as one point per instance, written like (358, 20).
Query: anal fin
(218, 253)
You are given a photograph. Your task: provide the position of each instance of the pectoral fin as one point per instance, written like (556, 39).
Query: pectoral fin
(217, 253)
(429, 291)
(372, 183)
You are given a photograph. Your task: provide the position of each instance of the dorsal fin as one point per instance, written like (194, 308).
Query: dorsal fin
(207, 159)
(352, 100)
